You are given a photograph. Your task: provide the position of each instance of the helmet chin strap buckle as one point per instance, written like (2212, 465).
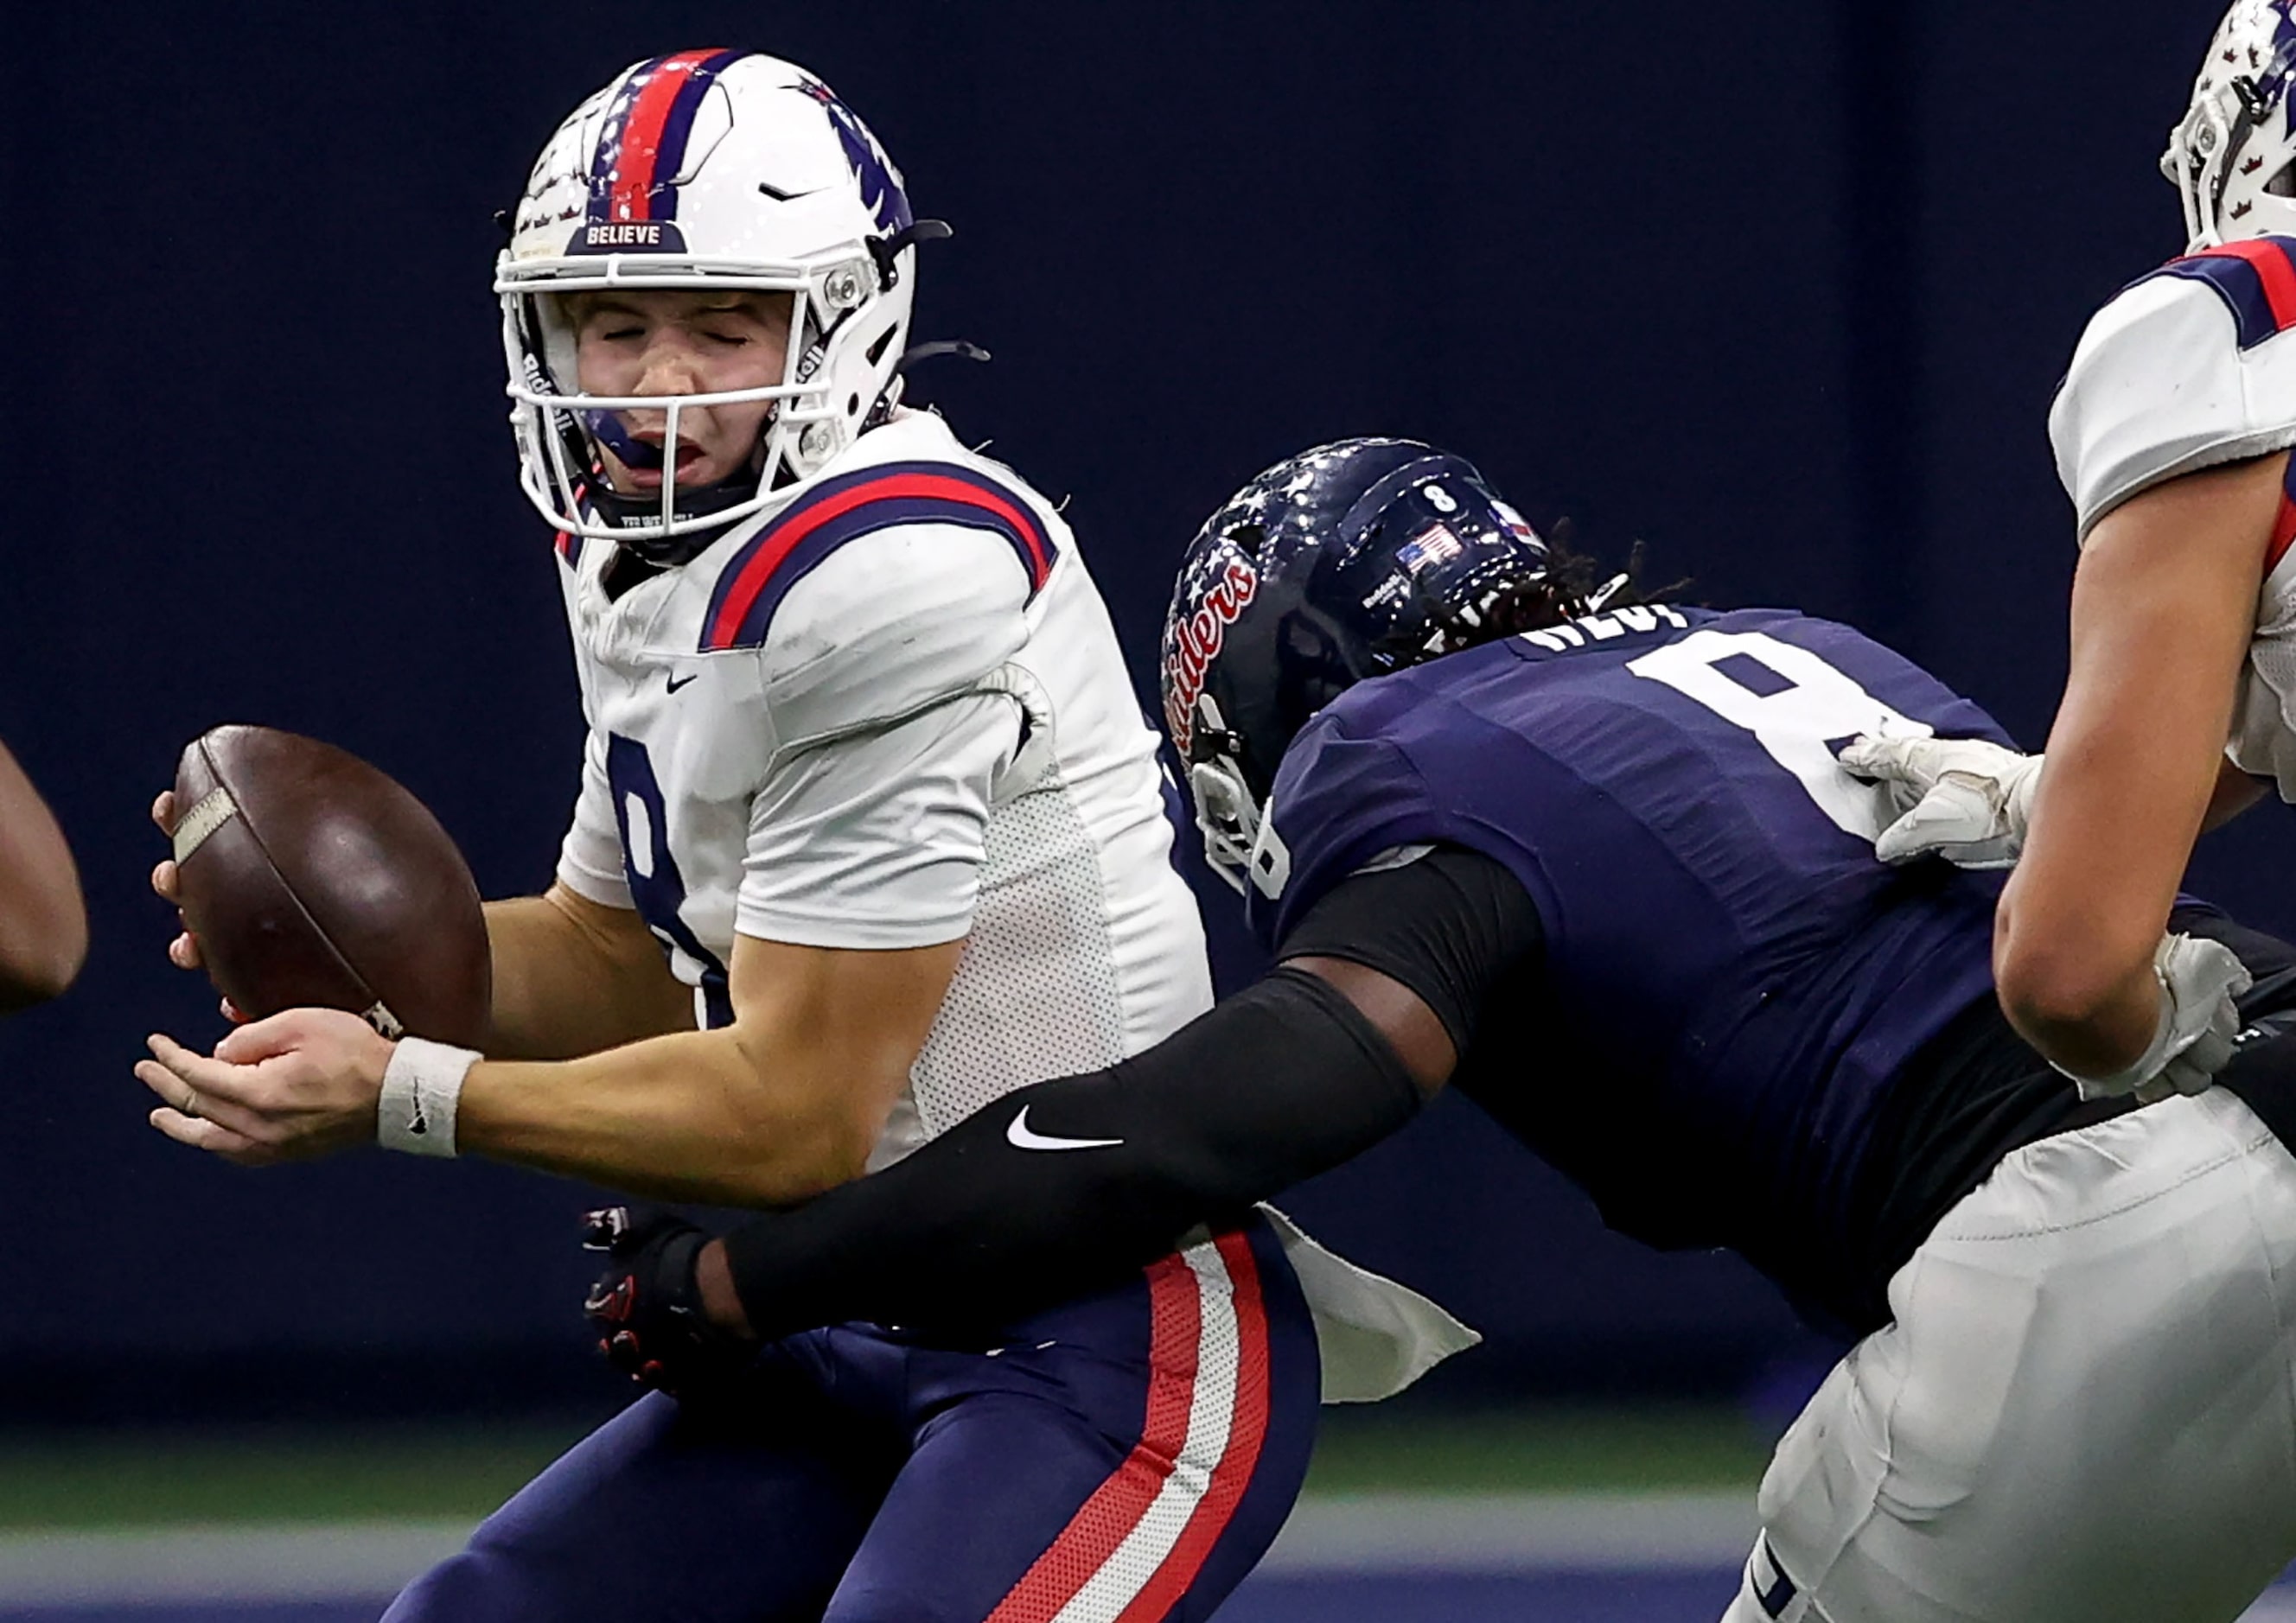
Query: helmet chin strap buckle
(886, 250)
(817, 444)
(1226, 817)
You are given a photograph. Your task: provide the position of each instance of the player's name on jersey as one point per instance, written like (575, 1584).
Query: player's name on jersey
(1641, 619)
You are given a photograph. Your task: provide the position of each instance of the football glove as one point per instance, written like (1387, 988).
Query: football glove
(646, 1305)
(1961, 798)
(2199, 1023)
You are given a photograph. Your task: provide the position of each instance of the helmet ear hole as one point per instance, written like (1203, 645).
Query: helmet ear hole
(1248, 538)
(2283, 184)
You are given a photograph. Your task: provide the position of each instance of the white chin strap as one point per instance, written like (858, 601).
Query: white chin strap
(1227, 817)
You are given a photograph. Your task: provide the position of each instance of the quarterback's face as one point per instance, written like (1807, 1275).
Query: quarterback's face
(676, 341)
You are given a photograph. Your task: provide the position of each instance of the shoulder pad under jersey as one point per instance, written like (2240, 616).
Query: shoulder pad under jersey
(879, 591)
(2189, 368)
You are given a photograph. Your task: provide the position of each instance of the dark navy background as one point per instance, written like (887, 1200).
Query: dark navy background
(1782, 290)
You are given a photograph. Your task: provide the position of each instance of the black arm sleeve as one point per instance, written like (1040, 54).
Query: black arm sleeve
(1071, 1184)
(1447, 925)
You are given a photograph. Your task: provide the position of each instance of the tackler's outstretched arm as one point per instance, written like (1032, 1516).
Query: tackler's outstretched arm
(1070, 1183)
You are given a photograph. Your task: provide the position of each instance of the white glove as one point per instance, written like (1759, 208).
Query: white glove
(1961, 798)
(2199, 979)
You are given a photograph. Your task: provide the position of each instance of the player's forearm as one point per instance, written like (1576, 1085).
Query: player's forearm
(2079, 919)
(572, 978)
(1067, 1184)
(2091, 1018)
(43, 921)
(2163, 607)
(697, 1116)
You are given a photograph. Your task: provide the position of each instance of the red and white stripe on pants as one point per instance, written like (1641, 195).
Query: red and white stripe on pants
(1140, 1540)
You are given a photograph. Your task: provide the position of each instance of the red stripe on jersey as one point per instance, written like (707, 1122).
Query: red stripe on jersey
(759, 569)
(2272, 269)
(1118, 1504)
(641, 145)
(2283, 530)
(1248, 1430)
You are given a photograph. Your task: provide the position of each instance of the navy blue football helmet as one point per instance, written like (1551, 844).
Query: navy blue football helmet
(1340, 564)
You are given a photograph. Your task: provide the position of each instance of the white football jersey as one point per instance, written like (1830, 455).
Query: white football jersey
(2193, 367)
(890, 712)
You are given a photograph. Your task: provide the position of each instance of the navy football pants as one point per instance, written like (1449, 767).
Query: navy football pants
(1125, 1458)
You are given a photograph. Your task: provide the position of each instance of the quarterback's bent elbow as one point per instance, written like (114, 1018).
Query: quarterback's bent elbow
(2082, 1005)
(787, 1161)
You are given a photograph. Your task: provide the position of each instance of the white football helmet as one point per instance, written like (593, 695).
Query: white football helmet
(705, 169)
(2232, 158)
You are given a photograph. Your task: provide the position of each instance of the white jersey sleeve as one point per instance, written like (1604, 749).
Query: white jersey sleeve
(882, 670)
(876, 839)
(2190, 368)
(891, 623)
(590, 857)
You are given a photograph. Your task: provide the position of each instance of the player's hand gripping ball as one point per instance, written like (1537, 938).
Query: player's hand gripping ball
(646, 1305)
(309, 878)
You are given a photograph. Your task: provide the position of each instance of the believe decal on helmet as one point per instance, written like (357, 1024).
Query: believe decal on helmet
(627, 237)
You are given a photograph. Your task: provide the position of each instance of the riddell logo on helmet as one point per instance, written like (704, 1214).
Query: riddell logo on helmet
(1196, 642)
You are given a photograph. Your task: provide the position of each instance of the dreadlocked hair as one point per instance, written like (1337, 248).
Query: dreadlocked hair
(1574, 583)
(1581, 581)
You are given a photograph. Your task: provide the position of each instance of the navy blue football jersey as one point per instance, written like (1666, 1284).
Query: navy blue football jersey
(1731, 978)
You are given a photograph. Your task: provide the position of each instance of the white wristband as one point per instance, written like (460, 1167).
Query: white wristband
(421, 1087)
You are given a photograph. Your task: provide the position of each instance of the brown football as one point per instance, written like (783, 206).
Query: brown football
(313, 879)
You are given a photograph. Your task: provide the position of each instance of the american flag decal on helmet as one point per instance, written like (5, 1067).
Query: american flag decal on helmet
(794, 543)
(641, 146)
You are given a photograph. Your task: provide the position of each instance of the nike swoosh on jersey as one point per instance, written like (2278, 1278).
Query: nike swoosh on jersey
(1020, 1137)
(672, 683)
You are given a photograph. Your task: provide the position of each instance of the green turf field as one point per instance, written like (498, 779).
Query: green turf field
(1538, 1451)
(121, 1480)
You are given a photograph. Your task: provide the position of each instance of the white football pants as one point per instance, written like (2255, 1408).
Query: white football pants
(2085, 1409)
